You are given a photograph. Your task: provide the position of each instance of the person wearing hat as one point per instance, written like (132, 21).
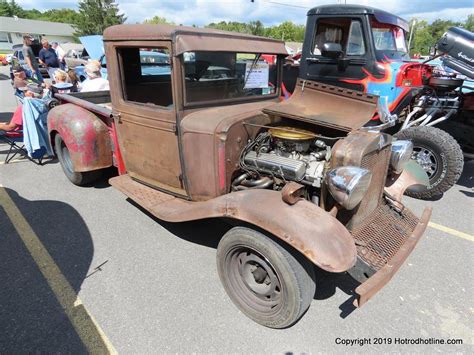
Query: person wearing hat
(16, 122)
(94, 81)
(33, 65)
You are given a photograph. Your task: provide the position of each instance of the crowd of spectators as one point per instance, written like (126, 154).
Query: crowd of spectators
(29, 83)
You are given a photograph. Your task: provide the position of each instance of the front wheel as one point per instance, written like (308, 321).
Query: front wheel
(77, 178)
(269, 284)
(439, 155)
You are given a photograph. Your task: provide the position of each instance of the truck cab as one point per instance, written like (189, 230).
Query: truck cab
(361, 48)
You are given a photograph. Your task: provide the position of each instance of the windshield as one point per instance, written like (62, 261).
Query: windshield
(213, 76)
(389, 41)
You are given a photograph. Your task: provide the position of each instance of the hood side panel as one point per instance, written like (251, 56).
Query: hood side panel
(327, 105)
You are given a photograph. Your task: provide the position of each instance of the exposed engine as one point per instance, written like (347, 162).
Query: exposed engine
(443, 95)
(283, 154)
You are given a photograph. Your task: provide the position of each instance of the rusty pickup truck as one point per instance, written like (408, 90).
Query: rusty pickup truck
(203, 134)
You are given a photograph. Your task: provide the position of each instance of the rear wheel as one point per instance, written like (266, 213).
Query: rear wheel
(439, 155)
(269, 284)
(77, 178)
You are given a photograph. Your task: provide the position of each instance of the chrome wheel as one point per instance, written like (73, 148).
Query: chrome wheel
(427, 159)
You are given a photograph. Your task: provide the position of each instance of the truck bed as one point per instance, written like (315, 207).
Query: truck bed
(95, 101)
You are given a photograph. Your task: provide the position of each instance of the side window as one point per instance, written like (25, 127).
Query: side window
(344, 31)
(355, 43)
(146, 75)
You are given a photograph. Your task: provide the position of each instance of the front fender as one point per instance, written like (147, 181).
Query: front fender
(85, 135)
(306, 227)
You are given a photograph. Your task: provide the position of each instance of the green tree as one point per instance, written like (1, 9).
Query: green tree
(422, 38)
(157, 20)
(11, 8)
(256, 28)
(469, 25)
(96, 15)
(60, 15)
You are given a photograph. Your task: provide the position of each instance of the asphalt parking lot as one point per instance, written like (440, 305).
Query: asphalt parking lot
(85, 270)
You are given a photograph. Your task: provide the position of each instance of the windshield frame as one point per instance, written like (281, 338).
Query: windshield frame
(243, 99)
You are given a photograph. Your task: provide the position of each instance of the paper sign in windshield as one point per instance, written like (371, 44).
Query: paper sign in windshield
(258, 78)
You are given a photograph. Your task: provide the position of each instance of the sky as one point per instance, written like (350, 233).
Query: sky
(269, 12)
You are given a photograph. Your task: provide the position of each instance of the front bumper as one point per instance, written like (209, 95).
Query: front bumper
(388, 238)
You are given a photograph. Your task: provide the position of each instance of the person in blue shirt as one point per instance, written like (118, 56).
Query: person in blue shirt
(48, 57)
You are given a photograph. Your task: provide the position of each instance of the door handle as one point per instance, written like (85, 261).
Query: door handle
(117, 116)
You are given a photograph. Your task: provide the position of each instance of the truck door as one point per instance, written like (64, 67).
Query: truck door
(350, 33)
(145, 113)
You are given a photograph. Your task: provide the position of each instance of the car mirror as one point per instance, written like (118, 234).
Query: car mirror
(331, 50)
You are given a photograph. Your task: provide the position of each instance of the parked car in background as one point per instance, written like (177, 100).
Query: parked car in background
(3, 59)
(18, 58)
(75, 54)
(153, 62)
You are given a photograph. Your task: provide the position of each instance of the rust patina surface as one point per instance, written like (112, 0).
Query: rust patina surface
(186, 39)
(182, 159)
(86, 137)
(327, 105)
(370, 287)
(305, 226)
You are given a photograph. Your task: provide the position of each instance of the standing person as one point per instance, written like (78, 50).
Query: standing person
(48, 58)
(31, 62)
(60, 53)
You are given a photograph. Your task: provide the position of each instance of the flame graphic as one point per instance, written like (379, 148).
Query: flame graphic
(370, 78)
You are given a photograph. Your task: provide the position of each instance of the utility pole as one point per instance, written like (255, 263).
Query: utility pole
(412, 31)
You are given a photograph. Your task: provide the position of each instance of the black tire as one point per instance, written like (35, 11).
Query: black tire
(269, 284)
(77, 178)
(439, 154)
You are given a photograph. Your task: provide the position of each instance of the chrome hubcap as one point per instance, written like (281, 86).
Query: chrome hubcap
(427, 159)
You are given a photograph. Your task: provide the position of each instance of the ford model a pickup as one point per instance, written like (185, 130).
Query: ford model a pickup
(203, 135)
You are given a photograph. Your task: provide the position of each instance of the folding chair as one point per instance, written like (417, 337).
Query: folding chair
(14, 139)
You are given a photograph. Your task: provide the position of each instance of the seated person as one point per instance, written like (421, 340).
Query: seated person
(61, 85)
(74, 80)
(19, 77)
(16, 123)
(94, 81)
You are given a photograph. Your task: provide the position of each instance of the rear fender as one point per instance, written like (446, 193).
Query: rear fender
(85, 135)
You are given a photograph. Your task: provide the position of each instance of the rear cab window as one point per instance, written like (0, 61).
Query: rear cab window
(344, 31)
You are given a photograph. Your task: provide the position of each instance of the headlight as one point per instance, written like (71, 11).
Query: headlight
(401, 154)
(348, 185)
